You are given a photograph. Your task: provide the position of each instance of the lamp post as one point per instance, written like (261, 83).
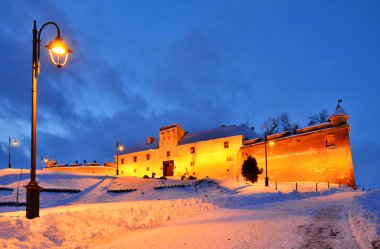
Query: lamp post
(266, 162)
(271, 144)
(15, 143)
(43, 160)
(59, 52)
(119, 147)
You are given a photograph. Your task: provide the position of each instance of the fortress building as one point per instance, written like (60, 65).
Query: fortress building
(317, 153)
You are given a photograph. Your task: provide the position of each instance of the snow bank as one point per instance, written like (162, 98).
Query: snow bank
(76, 226)
(365, 219)
(254, 199)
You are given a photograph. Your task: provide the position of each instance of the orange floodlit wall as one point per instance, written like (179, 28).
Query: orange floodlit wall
(315, 156)
(100, 170)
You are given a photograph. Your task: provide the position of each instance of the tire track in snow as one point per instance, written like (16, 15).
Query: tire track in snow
(328, 228)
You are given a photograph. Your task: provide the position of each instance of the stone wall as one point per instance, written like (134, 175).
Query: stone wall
(316, 156)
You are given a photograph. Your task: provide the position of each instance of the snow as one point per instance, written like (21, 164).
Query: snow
(207, 213)
(221, 132)
(365, 218)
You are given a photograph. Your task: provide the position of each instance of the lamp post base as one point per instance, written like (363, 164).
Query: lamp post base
(9, 165)
(117, 172)
(32, 200)
(266, 181)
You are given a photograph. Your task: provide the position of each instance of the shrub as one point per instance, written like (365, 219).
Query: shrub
(249, 169)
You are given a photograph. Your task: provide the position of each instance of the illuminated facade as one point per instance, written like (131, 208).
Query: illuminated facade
(214, 153)
(318, 153)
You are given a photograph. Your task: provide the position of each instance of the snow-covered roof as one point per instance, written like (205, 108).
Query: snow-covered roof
(141, 147)
(338, 112)
(226, 131)
(221, 132)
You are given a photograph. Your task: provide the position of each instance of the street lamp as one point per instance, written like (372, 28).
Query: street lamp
(266, 162)
(15, 143)
(271, 144)
(43, 160)
(59, 53)
(119, 147)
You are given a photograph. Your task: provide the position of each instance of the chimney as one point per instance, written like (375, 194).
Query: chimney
(150, 140)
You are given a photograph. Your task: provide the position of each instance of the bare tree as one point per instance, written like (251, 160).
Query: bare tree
(271, 125)
(319, 118)
(286, 124)
(275, 124)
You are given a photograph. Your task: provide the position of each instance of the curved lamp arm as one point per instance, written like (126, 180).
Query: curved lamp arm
(39, 41)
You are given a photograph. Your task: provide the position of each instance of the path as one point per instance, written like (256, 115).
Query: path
(319, 222)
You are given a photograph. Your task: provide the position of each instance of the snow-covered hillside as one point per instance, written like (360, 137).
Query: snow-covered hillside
(206, 213)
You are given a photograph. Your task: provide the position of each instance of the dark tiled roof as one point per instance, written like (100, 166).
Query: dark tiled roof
(338, 111)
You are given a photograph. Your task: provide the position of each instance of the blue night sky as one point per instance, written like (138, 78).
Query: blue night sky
(140, 65)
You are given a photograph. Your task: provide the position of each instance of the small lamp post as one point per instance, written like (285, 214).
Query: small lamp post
(119, 147)
(44, 160)
(59, 52)
(15, 143)
(271, 144)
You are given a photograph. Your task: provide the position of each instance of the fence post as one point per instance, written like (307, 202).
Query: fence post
(363, 188)
(276, 185)
(339, 184)
(296, 186)
(328, 185)
(316, 186)
(17, 197)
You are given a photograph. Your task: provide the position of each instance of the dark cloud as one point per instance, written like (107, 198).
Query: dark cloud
(133, 71)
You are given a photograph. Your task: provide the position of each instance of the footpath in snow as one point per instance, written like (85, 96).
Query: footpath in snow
(207, 213)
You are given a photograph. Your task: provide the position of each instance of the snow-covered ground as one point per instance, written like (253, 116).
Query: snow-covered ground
(207, 213)
(365, 219)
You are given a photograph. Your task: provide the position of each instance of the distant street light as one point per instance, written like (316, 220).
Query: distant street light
(43, 160)
(119, 147)
(59, 53)
(15, 143)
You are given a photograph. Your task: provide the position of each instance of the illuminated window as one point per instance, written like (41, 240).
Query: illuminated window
(192, 150)
(226, 145)
(229, 159)
(168, 153)
(330, 141)
(147, 156)
(122, 161)
(192, 163)
(135, 159)
(147, 168)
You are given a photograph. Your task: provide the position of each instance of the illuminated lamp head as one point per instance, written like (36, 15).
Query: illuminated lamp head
(45, 160)
(15, 142)
(59, 51)
(120, 148)
(271, 144)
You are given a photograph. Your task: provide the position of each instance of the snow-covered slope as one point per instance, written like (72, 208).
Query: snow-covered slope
(206, 213)
(365, 219)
